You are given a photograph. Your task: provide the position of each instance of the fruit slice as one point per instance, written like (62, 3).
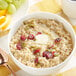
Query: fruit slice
(22, 1)
(4, 25)
(2, 19)
(3, 12)
(9, 1)
(52, 6)
(3, 4)
(11, 9)
(17, 3)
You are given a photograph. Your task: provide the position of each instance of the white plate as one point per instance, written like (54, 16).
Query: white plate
(21, 12)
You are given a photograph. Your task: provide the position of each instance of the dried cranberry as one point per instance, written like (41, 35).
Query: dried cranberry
(39, 33)
(23, 37)
(31, 37)
(36, 60)
(37, 51)
(18, 46)
(47, 54)
(44, 53)
(53, 53)
(58, 40)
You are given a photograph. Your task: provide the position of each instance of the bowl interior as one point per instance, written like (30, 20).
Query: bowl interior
(46, 15)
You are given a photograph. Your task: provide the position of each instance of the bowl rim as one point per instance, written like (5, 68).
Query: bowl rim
(50, 68)
(72, 1)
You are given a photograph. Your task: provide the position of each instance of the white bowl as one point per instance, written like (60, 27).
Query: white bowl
(42, 71)
(69, 8)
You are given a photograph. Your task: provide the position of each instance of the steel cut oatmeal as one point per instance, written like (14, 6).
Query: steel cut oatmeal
(41, 43)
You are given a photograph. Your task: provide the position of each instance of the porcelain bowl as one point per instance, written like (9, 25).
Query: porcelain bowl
(42, 71)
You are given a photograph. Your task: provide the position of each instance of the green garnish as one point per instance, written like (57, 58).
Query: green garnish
(52, 50)
(31, 25)
(23, 45)
(48, 50)
(38, 65)
(33, 46)
(26, 28)
(56, 54)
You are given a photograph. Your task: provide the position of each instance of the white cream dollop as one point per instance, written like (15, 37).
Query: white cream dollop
(42, 39)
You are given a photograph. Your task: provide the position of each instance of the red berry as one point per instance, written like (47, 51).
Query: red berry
(47, 54)
(39, 33)
(53, 53)
(37, 51)
(36, 60)
(18, 46)
(58, 40)
(44, 53)
(22, 37)
(31, 37)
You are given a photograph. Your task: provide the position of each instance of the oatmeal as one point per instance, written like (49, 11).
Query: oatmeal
(41, 43)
